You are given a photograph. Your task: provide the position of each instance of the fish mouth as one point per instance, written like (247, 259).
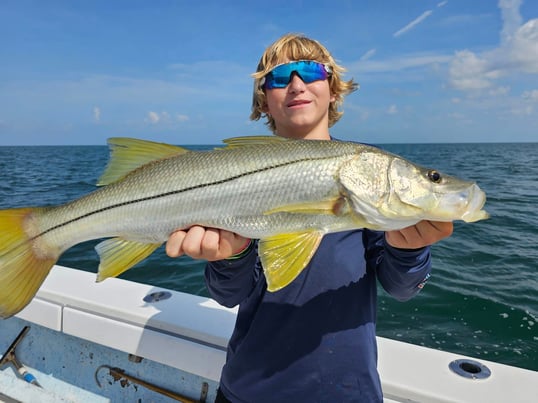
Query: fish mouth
(474, 210)
(465, 205)
(475, 199)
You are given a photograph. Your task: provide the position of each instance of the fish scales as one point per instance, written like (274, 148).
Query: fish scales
(286, 193)
(218, 188)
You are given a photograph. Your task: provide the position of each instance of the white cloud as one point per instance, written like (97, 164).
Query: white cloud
(368, 54)
(392, 110)
(511, 18)
(96, 114)
(164, 117)
(153, 117)
(413, 23)
(523, 47)
(157, 117)
(401, 63)
(468, 71)
(442, 4)
(530, 95)
(517, 52)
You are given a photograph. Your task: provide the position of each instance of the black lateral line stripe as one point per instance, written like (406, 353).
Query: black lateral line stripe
(173, 192)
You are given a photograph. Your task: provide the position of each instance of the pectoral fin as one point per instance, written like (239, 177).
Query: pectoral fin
(118, 255)
(336, 206)
(285, 256)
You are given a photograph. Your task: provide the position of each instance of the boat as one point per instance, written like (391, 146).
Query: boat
(122, 341)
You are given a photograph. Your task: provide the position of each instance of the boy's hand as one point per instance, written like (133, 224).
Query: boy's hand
(205, 243)
(423, 233)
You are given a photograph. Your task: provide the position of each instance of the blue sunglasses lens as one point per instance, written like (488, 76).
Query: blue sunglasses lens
(308, 70)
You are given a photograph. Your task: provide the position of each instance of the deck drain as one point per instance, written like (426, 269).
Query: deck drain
(157, 296)
(470, 369)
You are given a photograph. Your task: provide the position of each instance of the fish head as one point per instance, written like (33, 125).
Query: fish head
(440, 197)
(388, 192)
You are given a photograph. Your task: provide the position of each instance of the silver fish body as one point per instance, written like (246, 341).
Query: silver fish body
(287, 193)
(230, 189)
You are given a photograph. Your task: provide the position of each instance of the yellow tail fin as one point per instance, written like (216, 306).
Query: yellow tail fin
(22, 270)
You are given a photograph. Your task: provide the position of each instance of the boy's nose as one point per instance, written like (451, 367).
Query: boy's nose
(296, 82)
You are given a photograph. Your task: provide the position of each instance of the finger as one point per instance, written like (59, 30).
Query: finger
(392, 238)
(434, 231)
(173, 245)
(232, 243)
(444, 228)
(221, 244)
(192, 244)
(406, 238)
(211, 244)
(422, 234)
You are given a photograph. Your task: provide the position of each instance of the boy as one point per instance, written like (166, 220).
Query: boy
(314, 340)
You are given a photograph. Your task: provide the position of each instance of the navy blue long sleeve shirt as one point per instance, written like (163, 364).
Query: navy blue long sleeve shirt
(314, 340)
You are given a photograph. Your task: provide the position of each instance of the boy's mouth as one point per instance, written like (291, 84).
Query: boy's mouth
(298, 102)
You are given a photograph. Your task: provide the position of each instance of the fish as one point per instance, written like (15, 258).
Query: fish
(286, 193)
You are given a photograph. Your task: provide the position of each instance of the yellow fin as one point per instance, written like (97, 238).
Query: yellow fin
(127, 154)
(23, 268)
(337, 206)
(236, 142)
(119, 255)
(285, 256)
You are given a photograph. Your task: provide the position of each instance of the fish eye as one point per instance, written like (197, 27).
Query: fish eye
(435, 176)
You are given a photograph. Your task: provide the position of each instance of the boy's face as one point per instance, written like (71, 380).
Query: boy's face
(300, 110)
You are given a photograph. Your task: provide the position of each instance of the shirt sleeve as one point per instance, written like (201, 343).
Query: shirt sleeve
(401, 272)
(229, 282)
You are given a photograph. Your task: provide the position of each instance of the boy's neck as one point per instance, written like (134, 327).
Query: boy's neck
(320, 133)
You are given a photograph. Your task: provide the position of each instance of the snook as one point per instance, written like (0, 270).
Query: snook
(286, 193)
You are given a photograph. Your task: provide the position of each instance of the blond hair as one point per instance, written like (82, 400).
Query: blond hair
(292, 47)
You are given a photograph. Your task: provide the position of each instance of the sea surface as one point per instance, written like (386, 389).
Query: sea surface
(482, 298)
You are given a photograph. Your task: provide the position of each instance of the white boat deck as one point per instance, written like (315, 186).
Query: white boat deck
(190, 333)
(189, 330)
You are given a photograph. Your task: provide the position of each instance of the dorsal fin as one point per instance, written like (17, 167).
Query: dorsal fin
(236, 142)
(128, 154)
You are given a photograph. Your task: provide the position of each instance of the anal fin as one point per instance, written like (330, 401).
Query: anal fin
(119, 255)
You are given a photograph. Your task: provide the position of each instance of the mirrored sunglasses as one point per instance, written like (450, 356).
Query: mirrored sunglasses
(308, 70)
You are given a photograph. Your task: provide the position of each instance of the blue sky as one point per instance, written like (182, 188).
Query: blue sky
(78, 72)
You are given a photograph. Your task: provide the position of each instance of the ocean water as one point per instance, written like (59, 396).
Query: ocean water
(482, 299)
